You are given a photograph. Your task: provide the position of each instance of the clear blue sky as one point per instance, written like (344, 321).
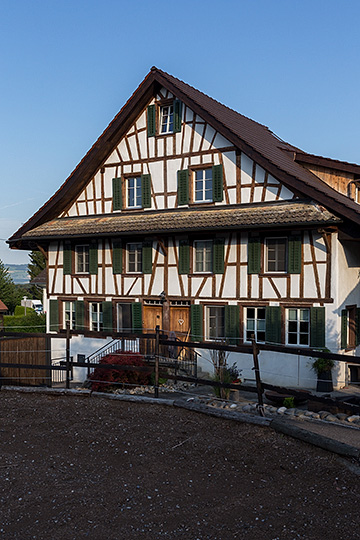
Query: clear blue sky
(67, 67)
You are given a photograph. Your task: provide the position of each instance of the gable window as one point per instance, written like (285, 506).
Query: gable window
(255, 323)
(82, 259)
(96, 316)
(203, 185)
(275, 254)
(134, 259)
(215, 322)
(69, 314)
(134, 192)
(298, 326)
(203, 255)
(167, 119)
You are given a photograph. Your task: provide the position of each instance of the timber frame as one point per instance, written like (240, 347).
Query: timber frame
(262, 188)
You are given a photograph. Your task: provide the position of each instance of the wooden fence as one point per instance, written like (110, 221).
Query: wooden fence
(17, 351)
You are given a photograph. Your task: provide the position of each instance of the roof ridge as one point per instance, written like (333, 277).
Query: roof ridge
(164, 73)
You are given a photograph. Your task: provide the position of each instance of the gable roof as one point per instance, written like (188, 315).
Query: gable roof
(254, 139)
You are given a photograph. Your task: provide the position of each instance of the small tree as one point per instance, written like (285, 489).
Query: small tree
(8, 291)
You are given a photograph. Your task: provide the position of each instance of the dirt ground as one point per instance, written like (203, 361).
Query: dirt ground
(80, 467)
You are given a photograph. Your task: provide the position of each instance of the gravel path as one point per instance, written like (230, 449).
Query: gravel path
(80, 467)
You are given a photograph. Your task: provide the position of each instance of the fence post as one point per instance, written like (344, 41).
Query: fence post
(68, 354)
(257, 376)
(157, 342)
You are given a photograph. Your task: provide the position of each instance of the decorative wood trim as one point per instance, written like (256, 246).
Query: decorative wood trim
(226, 263)
(313, 257)
(202, 285)
(276, 290)
(177, 265)
(154, 268)
(238, 176)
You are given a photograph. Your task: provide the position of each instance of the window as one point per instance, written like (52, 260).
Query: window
(134, 193)
(357, 193)
(134, 260)
(96, 316)
(255, 323)
(69, 314)
(275, 254)
(167, 119)
(203, 255)
(350, 325)
(124, 320)
(215, 322)
(82, 259)
(298, 326)
(203, 185)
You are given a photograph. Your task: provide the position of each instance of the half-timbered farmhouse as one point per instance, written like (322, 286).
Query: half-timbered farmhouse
(188, 215)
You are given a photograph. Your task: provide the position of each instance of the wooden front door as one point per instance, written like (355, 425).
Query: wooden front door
(152, 318)
(180, 321)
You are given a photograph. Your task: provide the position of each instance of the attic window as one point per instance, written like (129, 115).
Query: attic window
(167, 119)
(357, 192)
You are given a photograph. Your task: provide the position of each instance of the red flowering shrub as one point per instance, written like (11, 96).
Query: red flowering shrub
(105, 379)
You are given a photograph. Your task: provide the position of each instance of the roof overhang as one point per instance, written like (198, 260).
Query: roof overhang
(306, 214)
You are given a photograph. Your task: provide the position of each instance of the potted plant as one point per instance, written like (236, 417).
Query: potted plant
(323, 367)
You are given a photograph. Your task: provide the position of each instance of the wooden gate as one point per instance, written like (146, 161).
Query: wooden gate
(28, 349)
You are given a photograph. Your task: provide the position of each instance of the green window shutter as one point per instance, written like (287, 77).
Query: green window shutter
(317, 327)
(184, 257)
(344, 328)
(136, 316)
(217, 176)
(54, 315)
(93, 257)
(196, 313)
(254, 255)
(117, 257)
(232, 324)
(147, 257)
(218, 255)
(107, 316)
(357, 326)
(183, 187)
(151, 121)
(294, 254)
(67, 257)
(177, 115)
(273, 324)
(146, 190)
(79, 315)
(117, 193)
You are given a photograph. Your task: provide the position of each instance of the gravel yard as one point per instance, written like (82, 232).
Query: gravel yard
(83, 467)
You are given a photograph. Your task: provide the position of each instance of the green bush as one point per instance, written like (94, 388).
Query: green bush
(20, 311)
(289, 403)
(227, 377)
(31, 323)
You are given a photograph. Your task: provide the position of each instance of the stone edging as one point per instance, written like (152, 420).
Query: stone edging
(225, 410)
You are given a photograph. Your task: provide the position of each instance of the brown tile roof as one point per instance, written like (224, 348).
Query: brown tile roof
(2, 306)
(256, 140)
(190, 220)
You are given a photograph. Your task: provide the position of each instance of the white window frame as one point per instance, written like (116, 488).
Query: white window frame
(69, 313)
(201, 192)
(134, 251)
(256, 330)
(82, 259)
(299, 329)
(202, 248)
(134, 192)
(357, 193)
(166, 122)
(96, 316)
(276, 260)
(214, 312)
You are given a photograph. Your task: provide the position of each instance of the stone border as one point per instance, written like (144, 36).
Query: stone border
(220, 410)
